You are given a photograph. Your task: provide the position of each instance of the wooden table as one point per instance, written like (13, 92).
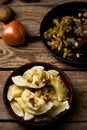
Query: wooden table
(31, 15)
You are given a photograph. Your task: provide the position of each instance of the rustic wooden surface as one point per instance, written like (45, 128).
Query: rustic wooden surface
(31, 15)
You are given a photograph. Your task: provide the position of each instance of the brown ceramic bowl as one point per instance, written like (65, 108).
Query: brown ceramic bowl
(20, 71)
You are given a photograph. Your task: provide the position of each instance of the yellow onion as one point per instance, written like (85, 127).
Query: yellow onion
(14, 33)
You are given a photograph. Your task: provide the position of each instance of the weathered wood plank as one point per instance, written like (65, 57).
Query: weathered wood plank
(64, 126)
(41, 2)
(79, 107)
(35, 51)
(11, 57)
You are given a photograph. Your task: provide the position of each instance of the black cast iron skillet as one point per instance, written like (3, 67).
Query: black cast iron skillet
(70, 9)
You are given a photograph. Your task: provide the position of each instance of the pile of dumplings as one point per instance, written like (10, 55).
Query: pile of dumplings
(38, 95)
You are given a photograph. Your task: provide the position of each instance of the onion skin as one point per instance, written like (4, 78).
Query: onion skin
(14, 33)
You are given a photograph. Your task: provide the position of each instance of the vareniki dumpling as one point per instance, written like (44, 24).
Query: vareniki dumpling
(36, 77)
(59, 86)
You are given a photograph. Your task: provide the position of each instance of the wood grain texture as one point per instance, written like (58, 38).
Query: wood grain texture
(65, 126)
(13, 57)
(42, 2)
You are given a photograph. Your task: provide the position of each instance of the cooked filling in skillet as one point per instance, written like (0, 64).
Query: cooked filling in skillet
(68, 35)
